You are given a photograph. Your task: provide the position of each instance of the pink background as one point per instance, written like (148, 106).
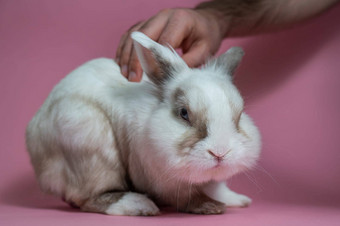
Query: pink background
(290, 81)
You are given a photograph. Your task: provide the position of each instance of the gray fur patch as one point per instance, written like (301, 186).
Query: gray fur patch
(162, 71)
(197, 124)
(202, 204)
(101, 202)
(236, 114)
(85, 171)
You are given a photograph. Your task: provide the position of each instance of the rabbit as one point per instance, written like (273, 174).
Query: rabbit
(110, 146)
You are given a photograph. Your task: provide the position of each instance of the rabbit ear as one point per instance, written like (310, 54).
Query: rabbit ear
(230, 60)
(158, 62)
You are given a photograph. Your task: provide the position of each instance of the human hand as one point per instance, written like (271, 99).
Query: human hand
(197, 32)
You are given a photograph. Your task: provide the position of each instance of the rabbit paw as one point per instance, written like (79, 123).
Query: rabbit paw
(209, 208)
(237, 200)
(133, 204)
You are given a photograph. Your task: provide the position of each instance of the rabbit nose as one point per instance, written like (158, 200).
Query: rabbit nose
(218, 155)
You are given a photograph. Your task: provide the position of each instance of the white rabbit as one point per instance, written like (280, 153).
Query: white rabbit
(110, 146)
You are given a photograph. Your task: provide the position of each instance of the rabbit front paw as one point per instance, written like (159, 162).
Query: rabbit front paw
(237, 200)
(133, 204)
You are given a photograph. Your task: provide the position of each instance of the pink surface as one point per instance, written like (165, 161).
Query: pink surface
(290, 81)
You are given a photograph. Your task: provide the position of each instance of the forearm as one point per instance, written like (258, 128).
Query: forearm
(244, 17)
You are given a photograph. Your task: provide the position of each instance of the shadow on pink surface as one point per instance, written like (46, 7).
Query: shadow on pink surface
(25, 192)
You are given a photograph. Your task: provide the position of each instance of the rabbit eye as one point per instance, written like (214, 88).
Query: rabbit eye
(184, 114)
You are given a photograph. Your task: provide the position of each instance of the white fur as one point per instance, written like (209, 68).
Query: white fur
(219, 191)
(87, 112)
(133, 204)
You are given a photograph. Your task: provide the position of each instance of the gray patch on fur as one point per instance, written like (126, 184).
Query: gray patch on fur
(121, 135)
(231, 59)
(164, 69)
(197, 121)
(202, 204)
(86, 172)
(236, 114)
(101, 202)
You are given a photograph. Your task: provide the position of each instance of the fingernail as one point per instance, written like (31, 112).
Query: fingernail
(124, 70)
(132, 76)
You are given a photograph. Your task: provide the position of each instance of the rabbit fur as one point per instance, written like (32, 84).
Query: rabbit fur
(106, 145)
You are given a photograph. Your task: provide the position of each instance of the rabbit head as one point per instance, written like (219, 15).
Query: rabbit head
(198, 132)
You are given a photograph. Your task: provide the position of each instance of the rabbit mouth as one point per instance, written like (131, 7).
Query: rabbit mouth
(218, 165)
(218, 162)
(210, 164)
(202, 173)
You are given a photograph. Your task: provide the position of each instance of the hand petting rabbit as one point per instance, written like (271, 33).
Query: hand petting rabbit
(106, 145)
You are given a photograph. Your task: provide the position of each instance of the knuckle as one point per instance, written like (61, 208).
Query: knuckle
(182, 14)
(135, 27)
(165, 11)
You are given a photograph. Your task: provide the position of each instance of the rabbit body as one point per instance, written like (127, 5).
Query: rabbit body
(110, 146)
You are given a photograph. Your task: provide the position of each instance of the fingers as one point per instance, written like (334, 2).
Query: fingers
(134, 68)
(126, 56)
(197, 54)
(177, 29)
(194, 32)
(156, 24)
(181, 32)
(153, 29)
(125, 49)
